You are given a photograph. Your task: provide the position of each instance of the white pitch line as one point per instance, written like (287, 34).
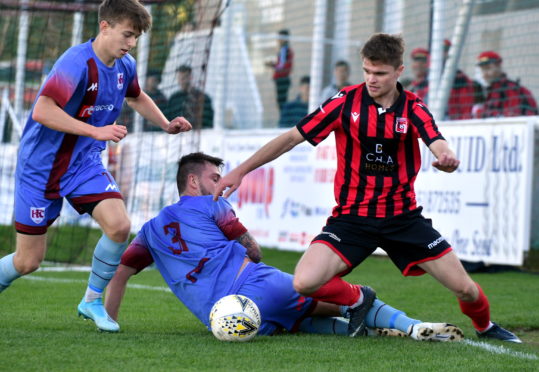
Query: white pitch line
(61, 280)
(496, 349)
(61, 269)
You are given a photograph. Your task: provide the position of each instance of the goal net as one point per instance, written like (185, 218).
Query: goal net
(33, 34)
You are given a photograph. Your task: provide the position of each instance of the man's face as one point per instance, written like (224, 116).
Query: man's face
(152, 82)
(380, 79)
(420, 67)
(119, 38)
(304, 90)
(207, 181)
(491, 71)
(342, 73)
(184, 79)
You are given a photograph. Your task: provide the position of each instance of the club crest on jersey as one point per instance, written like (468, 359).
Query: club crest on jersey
(401, 125)
(37, 214)
(120, 84)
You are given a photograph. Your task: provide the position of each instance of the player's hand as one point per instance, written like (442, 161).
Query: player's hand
(447, 162)
(111, 132)
(232, 180)
(177, 125)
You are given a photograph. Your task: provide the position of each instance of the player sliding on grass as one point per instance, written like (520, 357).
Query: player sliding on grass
(60, 150)
(377, 125)
(205, 253)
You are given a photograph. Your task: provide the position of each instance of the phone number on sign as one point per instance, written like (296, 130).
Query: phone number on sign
(436, 201)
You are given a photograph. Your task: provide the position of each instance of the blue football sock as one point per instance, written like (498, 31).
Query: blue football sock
(381, 315)
(324, 326)
(8, 273)
(106, 259)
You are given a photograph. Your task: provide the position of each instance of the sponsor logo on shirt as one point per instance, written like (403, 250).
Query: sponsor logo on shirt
(37, 214)
(120, 84)
(87, 111)
(378, 162)
(401, 125)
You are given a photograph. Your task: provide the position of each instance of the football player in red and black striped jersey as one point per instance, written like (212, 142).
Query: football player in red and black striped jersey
(376, 125)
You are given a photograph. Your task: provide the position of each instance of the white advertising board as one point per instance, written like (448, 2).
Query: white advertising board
(285, 203)
(483, 209)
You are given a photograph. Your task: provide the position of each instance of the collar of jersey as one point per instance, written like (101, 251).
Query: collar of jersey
(368, 99)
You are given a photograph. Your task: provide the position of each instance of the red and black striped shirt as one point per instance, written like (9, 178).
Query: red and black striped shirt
(378, 154)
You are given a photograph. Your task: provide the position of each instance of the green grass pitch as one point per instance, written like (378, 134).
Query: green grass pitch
(39, 329)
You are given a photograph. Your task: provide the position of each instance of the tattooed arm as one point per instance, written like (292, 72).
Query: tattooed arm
(253, 249)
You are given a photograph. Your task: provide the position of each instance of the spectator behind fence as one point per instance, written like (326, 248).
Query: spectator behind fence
(504, 97)
(127, 115)
(190, 102)
(463, 95)
(341, 73)
(282, 68)
(153, 78)
(420, 69)
(294, 111)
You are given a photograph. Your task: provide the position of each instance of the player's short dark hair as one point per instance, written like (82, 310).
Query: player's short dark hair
(184, 68)
(342, 63)
(284, 32)
(116, 11)
(305, 80)
(193, 164)
(154, 73)
(384, 48)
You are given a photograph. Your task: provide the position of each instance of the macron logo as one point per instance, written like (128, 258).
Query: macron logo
(435, 243)
(355, 116)
(92, 88)
(111, 187)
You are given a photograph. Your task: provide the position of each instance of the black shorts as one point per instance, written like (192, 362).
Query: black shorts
(409, 239)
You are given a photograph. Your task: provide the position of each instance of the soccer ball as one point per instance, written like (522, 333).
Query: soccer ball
(234, 318)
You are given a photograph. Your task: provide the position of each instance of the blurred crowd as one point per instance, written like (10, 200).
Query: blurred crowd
(494, 95)
(188, 101)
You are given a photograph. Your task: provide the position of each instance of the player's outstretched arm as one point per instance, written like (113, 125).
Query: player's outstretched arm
(145, 106)
(446, 159)
(253, 249)
(48, 113)
(270, 151)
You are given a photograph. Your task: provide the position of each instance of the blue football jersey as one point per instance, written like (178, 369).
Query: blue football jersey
(88, 90)
(192, 244)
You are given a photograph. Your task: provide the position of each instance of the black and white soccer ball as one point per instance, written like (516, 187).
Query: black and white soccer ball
(235, 318)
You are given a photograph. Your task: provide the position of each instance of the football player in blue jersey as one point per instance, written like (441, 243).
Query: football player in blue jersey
(59, 155)
(204, 253)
